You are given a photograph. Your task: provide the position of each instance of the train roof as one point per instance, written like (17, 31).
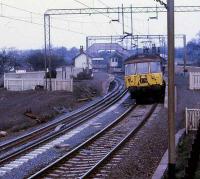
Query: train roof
(143, 58)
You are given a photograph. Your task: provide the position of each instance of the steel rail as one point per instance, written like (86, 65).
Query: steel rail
(43, 171)
(70, 154)
(104, 160)
(68, 127)
(12, 143)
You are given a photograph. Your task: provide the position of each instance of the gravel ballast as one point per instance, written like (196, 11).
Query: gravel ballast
(150, 143)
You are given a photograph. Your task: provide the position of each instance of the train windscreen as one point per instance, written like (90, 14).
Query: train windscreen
(155, 67)
(142, 68)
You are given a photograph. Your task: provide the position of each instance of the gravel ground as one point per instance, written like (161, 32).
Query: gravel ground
(149, 146)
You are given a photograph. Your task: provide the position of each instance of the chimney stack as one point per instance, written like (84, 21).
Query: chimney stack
(81, 49)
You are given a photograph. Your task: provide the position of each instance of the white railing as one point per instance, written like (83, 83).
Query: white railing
(14, 84)
(194, 80)
(61, 85)
(192, 117)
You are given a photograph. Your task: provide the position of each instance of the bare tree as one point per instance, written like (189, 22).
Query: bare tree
(7, 60)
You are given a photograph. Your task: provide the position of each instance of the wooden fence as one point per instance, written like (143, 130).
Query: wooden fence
(192, 117)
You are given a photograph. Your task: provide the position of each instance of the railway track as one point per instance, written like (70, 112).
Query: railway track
(85, 160)
(38, 137)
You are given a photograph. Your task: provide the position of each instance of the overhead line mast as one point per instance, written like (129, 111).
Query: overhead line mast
(171, 91)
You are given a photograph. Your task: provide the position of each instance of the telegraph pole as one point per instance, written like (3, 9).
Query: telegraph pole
(50, 70)
(171, 92)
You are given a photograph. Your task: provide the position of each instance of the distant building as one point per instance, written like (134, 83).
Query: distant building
(99, 63)
(82, 60)
(116, 62)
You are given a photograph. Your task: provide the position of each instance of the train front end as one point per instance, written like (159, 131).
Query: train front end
(144, 78)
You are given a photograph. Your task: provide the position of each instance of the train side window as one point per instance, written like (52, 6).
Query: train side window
(130, 69)
(142, 68)
(155, 67)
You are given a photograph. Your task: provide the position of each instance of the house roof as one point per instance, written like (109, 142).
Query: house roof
(81, 53)
(118, 54)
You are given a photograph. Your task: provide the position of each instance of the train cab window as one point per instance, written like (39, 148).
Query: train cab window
(130, 69)
(142, 68)
(155, 67)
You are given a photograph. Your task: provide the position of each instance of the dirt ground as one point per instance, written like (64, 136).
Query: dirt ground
(44, 104)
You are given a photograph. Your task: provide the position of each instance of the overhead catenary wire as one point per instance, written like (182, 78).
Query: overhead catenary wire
(31, 17)
(162, 3)
(90, 7)
(95, 10)
(103, 3)
(20, 9)
(111, 20)
(40, 24)
(30, 21)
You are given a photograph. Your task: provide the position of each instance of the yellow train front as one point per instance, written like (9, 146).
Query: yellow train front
(144, 78)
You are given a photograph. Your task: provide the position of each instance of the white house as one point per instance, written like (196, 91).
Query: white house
(82, 60)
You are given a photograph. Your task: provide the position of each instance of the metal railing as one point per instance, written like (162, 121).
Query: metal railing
(194, 80)
(192, 118)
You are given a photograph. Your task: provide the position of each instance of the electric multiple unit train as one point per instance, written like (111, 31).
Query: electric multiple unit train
(144, 77)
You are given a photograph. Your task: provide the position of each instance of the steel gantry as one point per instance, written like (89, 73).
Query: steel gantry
(95, 11)
(90, 11)
(135, 40)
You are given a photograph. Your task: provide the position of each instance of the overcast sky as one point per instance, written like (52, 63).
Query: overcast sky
(23, 35)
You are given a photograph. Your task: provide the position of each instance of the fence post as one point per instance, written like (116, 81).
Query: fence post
(4, 81)
(71, 84)
(199, 82)
(22, 85)
(186, 121)
(191, 81)
(7, 84)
